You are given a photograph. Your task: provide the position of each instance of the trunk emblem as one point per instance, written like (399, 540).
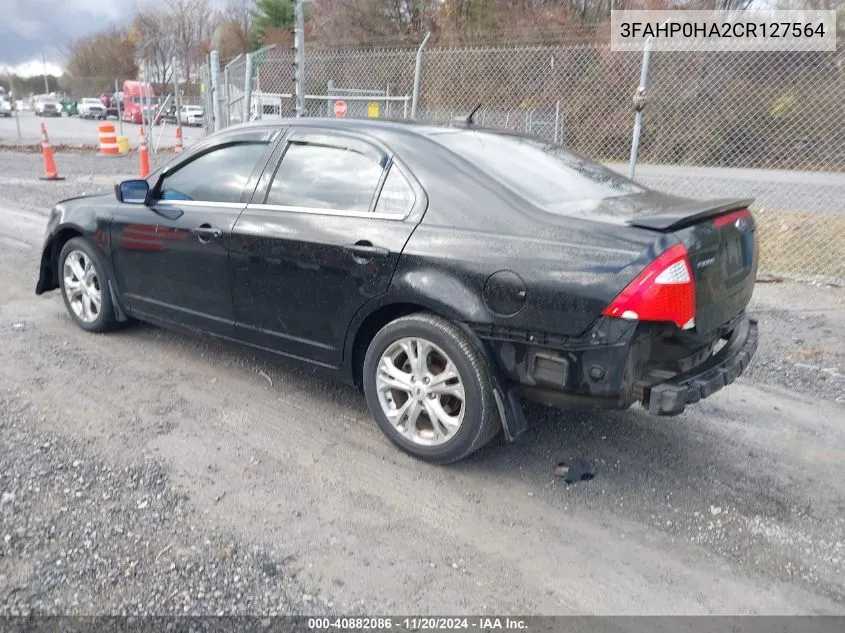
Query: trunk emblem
(741, 224)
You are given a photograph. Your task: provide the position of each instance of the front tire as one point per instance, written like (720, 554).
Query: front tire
(429, 389)
(84, 282)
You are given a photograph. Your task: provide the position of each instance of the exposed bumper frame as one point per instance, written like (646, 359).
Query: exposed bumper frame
(721, 369)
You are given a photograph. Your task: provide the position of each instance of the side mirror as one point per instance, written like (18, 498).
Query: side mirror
(133, 191)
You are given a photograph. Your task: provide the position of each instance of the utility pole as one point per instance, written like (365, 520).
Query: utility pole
(44, 65)
(299, 58)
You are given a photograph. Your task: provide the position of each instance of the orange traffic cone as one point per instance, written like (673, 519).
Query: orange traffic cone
(145, 157)
(50, 171)
(177, 149)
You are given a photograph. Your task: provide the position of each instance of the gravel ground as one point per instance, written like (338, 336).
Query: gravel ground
(802, 340)
(248, 466)
(82, 535)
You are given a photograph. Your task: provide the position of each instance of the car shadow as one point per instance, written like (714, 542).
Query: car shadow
(636, 456)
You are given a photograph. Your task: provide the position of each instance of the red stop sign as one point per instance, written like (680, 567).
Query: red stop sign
(340, 109)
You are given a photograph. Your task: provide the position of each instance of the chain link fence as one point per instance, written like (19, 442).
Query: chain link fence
(758, 124)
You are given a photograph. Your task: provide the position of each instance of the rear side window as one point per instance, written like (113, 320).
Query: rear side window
(325, 177)
(218, 176)
(544, 174)
(397, 197)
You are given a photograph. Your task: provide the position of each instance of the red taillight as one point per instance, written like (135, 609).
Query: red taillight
(730, 218)
(664, 291)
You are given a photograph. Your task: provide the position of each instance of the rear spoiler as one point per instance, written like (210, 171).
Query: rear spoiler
(689, 214)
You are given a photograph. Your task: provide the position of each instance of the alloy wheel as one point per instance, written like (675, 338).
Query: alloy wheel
(420, 391)
(82, 286)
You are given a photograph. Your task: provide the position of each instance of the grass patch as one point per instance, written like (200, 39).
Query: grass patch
(801, 242)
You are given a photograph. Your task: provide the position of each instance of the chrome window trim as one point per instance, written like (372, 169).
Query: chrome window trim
(318, 211)
(200, 203)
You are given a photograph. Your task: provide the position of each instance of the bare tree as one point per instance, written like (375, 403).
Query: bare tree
(102, 57)
(193, 25)
(155, 33)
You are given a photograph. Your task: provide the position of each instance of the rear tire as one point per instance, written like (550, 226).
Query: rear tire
(84, 282)
(429, 389)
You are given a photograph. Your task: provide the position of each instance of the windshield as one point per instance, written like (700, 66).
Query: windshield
(545, 174)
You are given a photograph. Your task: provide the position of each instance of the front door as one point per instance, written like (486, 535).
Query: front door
(171, 258)
(322, 237)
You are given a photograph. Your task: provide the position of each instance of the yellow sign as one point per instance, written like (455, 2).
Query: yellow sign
(372, 110)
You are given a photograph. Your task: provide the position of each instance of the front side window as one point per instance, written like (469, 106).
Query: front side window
(325, 177)
(218, 176)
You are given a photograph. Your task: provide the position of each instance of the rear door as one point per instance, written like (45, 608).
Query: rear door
(321, 237)
(171, 258)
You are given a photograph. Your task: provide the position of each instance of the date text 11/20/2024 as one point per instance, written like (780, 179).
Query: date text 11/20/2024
(403, 623)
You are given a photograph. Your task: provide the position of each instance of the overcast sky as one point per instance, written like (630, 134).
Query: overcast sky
(32, 28)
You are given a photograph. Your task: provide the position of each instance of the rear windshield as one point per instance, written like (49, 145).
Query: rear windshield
(542, 173)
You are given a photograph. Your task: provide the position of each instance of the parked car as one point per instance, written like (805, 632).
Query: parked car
(6, 106)
(447, 271)
(92, 108)
(192, 115)
(47, 105)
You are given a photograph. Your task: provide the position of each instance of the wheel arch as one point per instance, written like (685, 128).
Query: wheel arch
(426, 289)
(49, 274)
(368, 325)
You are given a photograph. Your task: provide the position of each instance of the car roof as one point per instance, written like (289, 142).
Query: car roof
(374, 126)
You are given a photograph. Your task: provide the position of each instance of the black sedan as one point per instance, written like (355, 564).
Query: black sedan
(449, 272)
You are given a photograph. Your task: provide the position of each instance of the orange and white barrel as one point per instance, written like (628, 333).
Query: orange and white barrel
(108, 140)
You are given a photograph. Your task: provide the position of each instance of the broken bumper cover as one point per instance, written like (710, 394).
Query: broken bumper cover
(721, 369)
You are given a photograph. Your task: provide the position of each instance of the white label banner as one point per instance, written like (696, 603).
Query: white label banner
(723, 31)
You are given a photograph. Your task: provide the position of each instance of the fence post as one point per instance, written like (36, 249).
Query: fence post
(119, 104)
(418, 76)
(215, 89)
(248, 87)
(147, 104)
(226, 95)
(299, 60)
(176, 100)
(639, 104)
(557, 120)
(329, 93)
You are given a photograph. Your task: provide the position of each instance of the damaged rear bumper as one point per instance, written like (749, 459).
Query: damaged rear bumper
(618, 363)
(721, 369)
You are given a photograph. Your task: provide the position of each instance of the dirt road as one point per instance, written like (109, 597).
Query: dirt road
(737, 506)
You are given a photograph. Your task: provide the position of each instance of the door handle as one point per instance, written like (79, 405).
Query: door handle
(365, 250)
(205, 233)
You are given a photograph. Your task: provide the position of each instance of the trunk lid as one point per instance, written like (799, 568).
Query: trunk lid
(721, 241)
